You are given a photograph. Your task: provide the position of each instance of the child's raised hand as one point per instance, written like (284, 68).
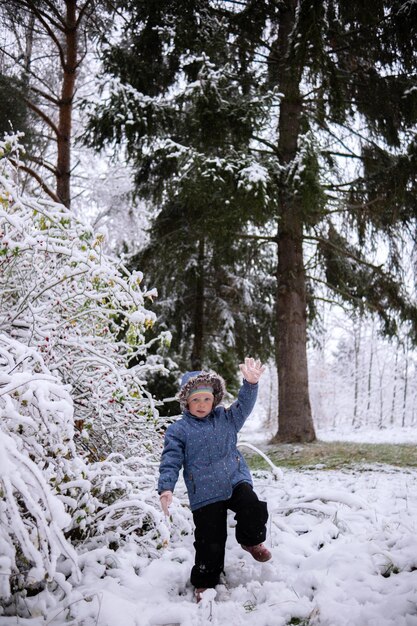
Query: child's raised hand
(252, 370)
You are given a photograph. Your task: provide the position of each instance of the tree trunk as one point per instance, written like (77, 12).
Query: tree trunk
(394, 390)
(405, 388)
(370, 374)
(27, 60)
(381, 398)
(356, 375)
(198, 340)
(69, 67)
(295, 422)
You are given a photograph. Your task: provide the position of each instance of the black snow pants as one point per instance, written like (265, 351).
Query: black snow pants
(210, 534)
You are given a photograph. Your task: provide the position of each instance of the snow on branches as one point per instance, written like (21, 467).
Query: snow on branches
(84, 313)
(79, 436)
(35, 447)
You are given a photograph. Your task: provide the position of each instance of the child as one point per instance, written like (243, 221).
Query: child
(217, 478)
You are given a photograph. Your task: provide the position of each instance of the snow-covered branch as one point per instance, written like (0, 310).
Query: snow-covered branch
(79, 432)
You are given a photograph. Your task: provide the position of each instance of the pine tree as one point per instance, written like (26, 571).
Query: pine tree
(208, 292)
(317, 98)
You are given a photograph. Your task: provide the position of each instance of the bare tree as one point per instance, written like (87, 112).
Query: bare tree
(46, 44)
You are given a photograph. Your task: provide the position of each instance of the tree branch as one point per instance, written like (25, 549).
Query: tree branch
(42, 16)
(43, 163)
(257, 237)
(82, 11)
(44, 95)
(42, 115)
(38, 178)
(267, 143)
(347, 253)
(43, 19)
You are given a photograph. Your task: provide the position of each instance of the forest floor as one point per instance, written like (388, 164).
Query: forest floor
(326, 455)
(343, 548)
(342, 531)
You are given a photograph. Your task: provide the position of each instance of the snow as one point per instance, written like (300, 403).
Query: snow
(343, 545)
(344, 553)
(406, 435)
(253, 175)
(381, 435)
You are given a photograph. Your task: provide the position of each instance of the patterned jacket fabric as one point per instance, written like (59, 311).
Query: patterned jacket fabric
(206, 450)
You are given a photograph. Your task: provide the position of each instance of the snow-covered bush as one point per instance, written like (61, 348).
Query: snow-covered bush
(79, 433)
(48, 493)
(83, 311)
(36, 455)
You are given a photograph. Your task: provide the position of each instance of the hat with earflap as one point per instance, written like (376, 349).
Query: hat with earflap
(201, 382)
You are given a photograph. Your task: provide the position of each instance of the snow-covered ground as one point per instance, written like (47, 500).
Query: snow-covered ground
(344, 554)
(366, 435)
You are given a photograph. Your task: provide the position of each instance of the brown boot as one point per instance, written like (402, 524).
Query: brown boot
(260, 552)
(198, 593)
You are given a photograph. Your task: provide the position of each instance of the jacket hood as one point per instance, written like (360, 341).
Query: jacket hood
(192, 379)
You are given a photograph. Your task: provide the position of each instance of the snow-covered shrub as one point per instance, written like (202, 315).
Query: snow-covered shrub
(46, 488)
(36, 455)
(73, 361)
(83, 311)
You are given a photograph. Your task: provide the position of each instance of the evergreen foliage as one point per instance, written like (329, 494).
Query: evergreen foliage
(14, 113)
(319, 100)
(218, 117)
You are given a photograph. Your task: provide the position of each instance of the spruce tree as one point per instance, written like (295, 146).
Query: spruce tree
(290, 122)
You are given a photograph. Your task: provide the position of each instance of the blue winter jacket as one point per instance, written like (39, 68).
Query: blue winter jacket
(206, 449)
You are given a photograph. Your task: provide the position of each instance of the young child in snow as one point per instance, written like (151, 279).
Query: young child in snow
(216, 475)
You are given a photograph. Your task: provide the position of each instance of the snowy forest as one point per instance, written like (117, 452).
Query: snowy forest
(184, 183)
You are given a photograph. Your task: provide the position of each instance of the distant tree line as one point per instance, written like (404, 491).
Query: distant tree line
(362, 380)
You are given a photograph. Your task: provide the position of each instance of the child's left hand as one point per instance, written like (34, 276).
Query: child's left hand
(166, 500)
(252, 370)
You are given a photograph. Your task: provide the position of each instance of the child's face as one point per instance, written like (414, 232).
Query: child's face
(200, 405)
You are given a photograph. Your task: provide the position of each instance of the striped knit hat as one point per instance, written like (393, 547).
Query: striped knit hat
(201, 389)
(201, 382)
